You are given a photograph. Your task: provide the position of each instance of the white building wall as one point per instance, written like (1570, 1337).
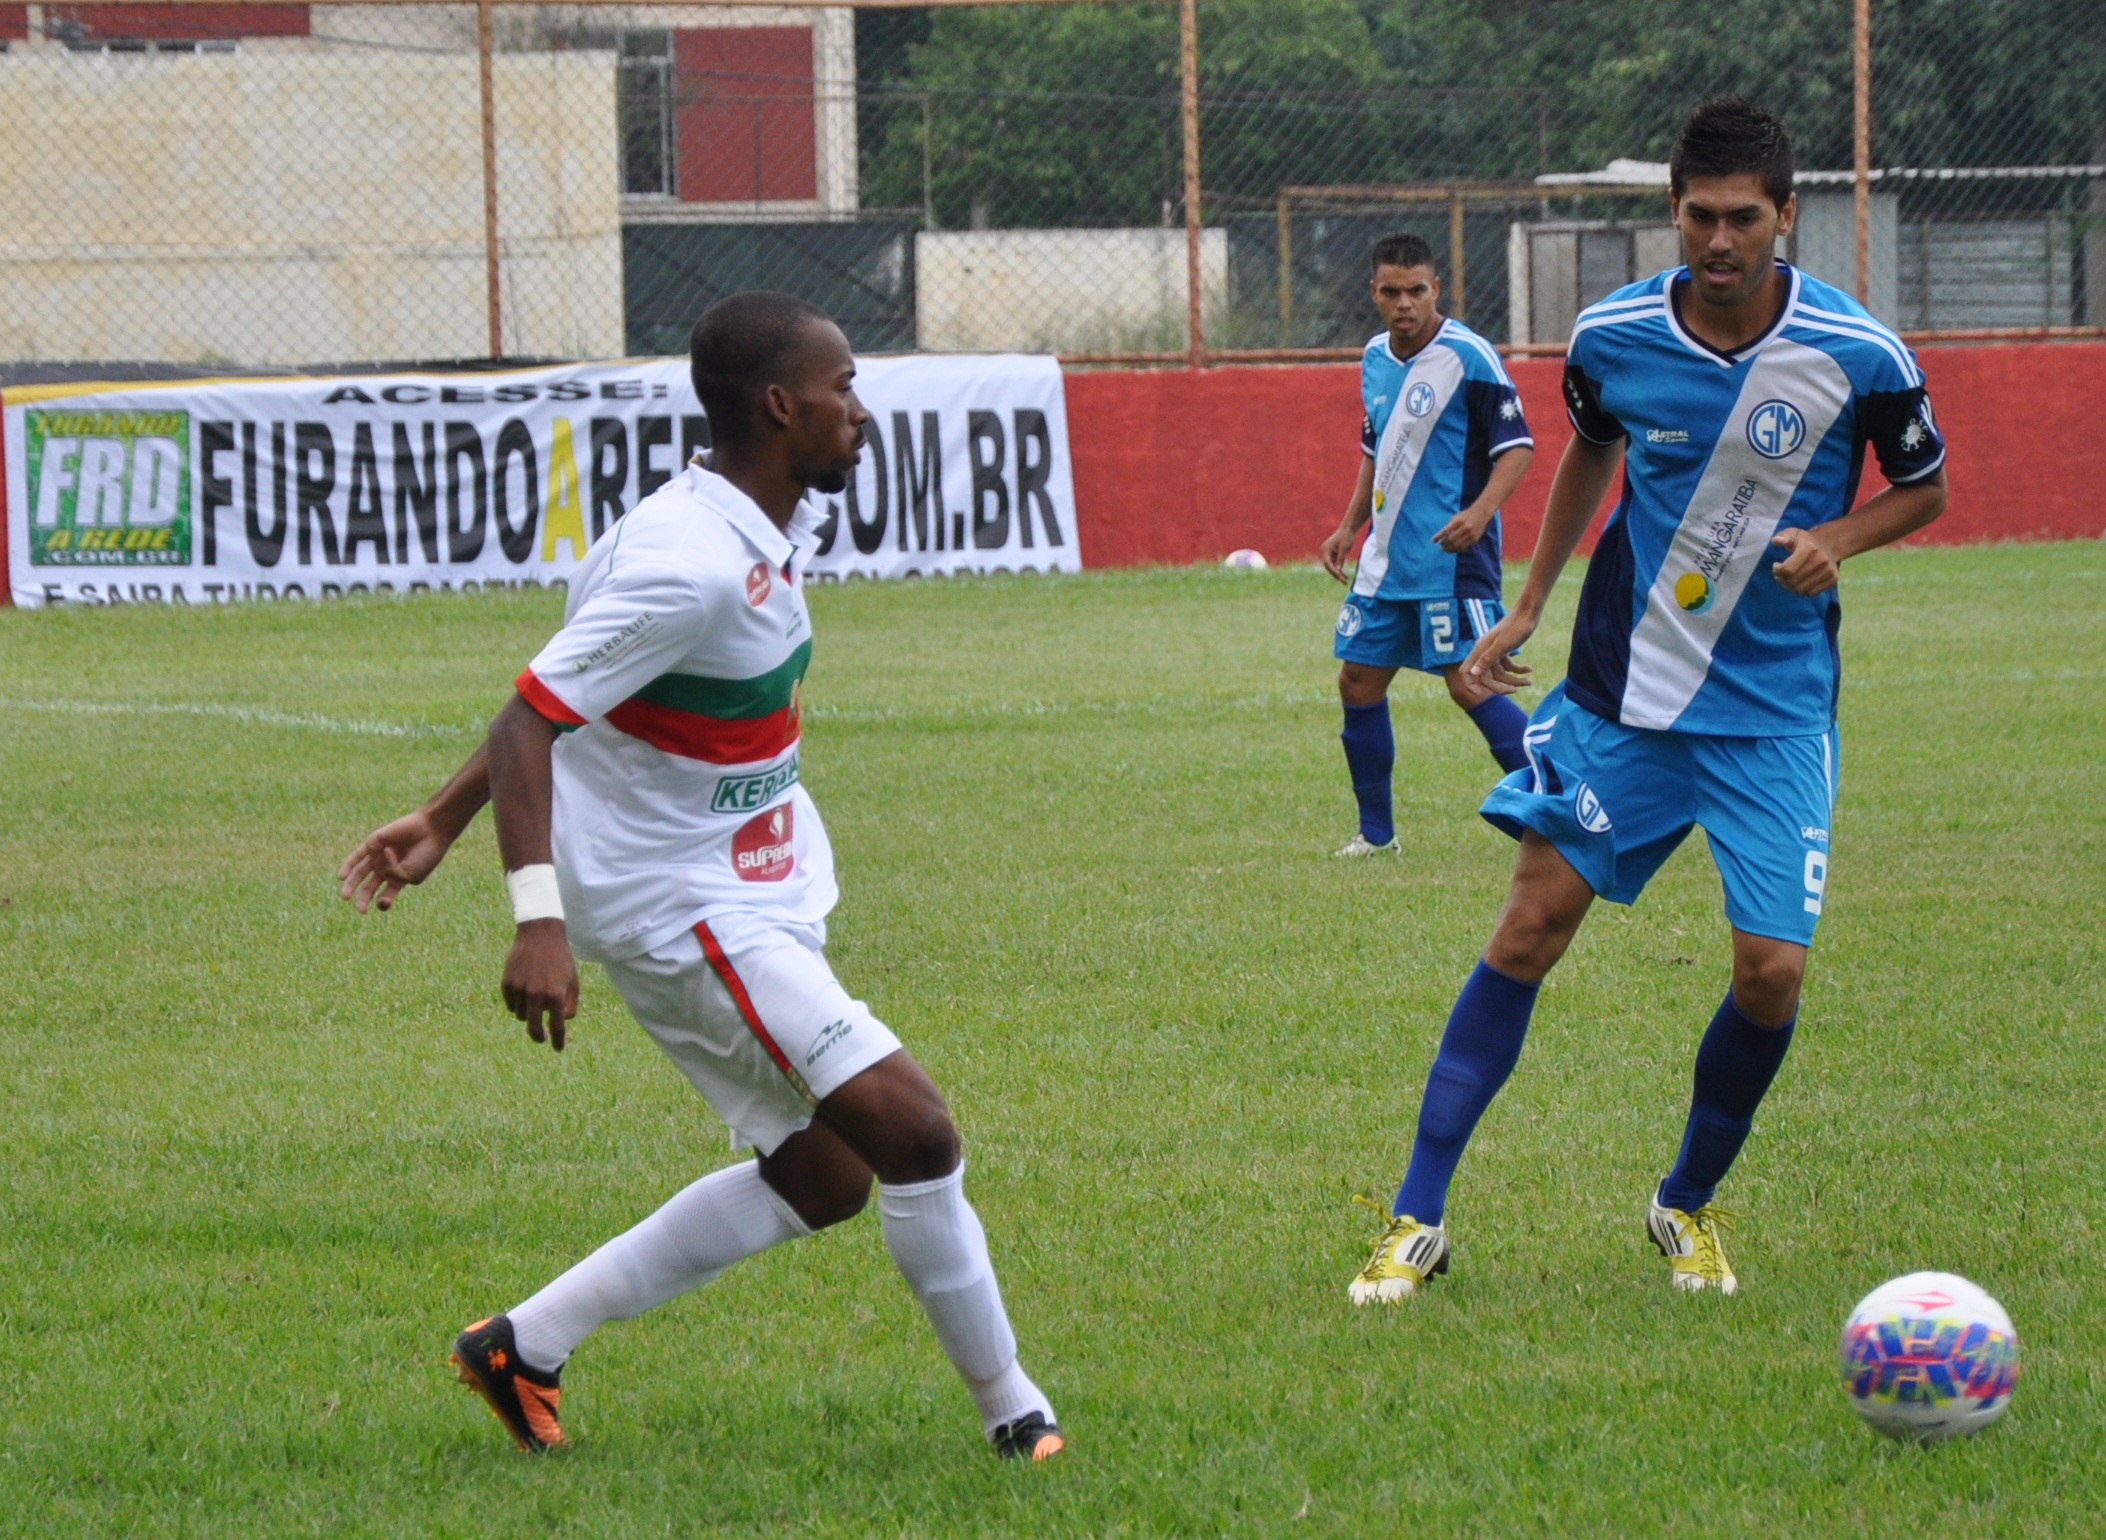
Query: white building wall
(293, 205)
(1063, 291)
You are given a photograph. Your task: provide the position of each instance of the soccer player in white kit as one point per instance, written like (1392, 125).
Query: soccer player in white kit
(645, 777)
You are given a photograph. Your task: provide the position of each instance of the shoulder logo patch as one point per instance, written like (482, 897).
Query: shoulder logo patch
(760, 582)
(1775, 429)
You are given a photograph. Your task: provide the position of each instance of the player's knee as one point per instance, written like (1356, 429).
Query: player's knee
(823, 1193)
(1530, 939)
(835, 1203)
(1358, 686)
(922, 1142)
(1766, 985)
(1461, 690)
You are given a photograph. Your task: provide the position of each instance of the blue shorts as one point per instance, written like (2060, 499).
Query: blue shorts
(1617, 800)
(1425, 634)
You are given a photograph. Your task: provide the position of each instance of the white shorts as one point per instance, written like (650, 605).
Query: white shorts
(748, 1009)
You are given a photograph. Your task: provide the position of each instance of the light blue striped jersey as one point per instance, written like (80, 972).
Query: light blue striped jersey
(1682, 624)
(1435, 423)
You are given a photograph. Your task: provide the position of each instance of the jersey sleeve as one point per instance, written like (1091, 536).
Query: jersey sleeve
(1894, 415)
(622, 637)
(1590, 419)
(1496, 416)
(1367, 435)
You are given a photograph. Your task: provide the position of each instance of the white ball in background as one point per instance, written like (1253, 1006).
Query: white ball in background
(1929, 1356)
(1245, 560)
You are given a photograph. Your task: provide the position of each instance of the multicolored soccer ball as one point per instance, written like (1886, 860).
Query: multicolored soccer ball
(1929, 1356)
(1246, 559)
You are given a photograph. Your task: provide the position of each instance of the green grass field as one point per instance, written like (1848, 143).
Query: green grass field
(262, 1158)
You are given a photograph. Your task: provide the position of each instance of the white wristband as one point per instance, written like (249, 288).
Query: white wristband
(534, 895)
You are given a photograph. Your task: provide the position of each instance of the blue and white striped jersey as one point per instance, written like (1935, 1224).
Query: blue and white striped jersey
(1459, 414)
(1681, 623)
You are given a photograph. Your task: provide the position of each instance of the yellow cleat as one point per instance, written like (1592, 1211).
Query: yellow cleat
(1407, 1255)
(1696, 1258)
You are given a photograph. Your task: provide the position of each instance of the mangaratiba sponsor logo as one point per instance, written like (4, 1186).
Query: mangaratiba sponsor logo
(743, 793)
(760, 851)
(108, 489)
(1720, 541)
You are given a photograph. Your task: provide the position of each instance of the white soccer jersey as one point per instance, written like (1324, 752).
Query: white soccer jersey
(676, 676)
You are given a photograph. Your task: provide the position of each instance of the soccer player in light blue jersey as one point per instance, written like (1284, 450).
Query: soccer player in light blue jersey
(1443, 444)
(1740, 396)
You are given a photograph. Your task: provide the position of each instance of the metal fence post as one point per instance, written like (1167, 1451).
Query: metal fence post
(1861, 146)
(1188, 74)
(483, 50)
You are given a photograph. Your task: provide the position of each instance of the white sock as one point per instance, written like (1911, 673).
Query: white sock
(726, 1217)
(936, 1239)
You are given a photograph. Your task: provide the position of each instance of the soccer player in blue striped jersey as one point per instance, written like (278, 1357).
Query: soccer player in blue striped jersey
(1740, 396)
(1443, 444)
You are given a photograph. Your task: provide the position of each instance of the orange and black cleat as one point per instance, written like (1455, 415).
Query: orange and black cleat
(1030, 1437)
(521, 1397)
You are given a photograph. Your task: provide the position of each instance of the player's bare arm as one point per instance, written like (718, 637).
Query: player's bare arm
(541, 977)
(1469, 525)
(409, 849)
(1815, 556)
(1338, 545)
(1576, 492)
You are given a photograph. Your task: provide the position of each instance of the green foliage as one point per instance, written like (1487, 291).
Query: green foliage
(1068, 115)
(262, 1158)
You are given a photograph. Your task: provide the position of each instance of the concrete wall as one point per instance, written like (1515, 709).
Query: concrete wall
(1062, 291)
(287, 205)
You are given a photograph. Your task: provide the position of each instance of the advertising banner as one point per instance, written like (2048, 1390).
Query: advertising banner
(218, 491)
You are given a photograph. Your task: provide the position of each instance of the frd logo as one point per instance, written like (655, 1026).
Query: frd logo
(760, 851)
(759, 584)
(108, 489)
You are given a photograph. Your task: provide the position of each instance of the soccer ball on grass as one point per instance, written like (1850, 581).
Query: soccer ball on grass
(1928, 1356)
(1245, 560)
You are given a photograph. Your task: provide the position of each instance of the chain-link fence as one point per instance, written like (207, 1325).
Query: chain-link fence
(273, 183)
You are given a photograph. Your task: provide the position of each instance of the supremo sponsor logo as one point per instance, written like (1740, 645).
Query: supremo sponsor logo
(760, 851)
(743, 793)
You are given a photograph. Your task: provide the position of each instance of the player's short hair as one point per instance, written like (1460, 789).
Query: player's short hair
(1400, 248)
(740, 347)
(1729, 135)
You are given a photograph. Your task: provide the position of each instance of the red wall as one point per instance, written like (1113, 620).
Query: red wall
(14, 21)
(187, 23)
(745, 116)
(1172, 466)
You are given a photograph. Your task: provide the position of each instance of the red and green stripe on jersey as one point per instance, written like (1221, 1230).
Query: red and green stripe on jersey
(721, 721)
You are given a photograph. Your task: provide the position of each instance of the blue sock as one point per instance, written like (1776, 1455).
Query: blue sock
(1734, 1067)
(1478, 1052)
(1502, 723)
(1370, 755)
